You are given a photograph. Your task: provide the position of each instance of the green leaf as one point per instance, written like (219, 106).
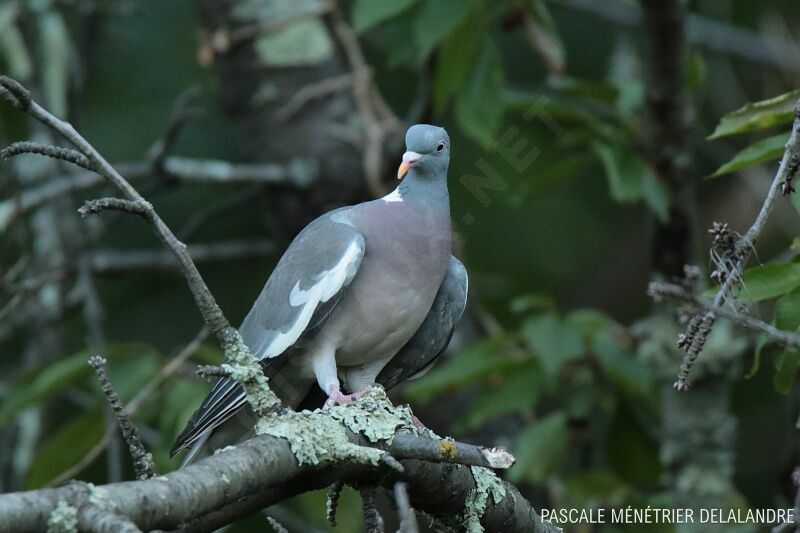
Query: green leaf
(516, 392)
(531, 302)
(456, 58)
(554, 341)
(435, 20)
(758, 115)
(480, 108)
(540, 449)
(767, 149)
(627, 172)
(467, 367)
(129, 365)
(542, 34)
(761, 342)
(786, 370)
(632, 451)
(629, 372)
(656, 195)
(769, 281)
(587, 489)
(65, 448)
(369, 13)
(787, 311)
(36, 385)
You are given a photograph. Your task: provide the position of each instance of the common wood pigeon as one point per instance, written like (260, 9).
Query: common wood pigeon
(364, 294)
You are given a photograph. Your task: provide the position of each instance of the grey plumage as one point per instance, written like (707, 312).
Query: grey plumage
(363, 291)
(431, 339)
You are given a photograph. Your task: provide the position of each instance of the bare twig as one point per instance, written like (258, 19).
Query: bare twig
(182, 112)
(142, 459)
(659, 290)
(312, 92)
(448, 450)
(710, 33)
(379, 123)
(56, 152)
(115, 261)
(408, 519)
(93, 207)
(373, 521)
(183, 169)
(332, 502)
(206, 303)
(144, 394)
(223, 39)
(701, 324)
(277, 527)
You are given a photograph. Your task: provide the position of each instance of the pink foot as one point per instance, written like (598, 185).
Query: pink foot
(418, 423)
(337, 397)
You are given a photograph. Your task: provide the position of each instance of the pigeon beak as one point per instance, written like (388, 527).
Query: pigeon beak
(409, 160)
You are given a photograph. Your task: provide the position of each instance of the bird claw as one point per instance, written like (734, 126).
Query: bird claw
(337, 397)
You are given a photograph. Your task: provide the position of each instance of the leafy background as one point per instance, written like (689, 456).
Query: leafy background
(562, 357)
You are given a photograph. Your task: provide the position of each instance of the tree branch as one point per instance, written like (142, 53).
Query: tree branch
(712, 34)
(700, 325)
(408, 519)
(133, 407)
(206, 303)
(142, 459)
(183, 169)
(260, 472)
(659, 290)
(56, 152)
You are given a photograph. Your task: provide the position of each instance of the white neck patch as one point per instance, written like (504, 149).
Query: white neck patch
(393, 196)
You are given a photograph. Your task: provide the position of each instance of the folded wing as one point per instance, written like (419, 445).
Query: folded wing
(297, 299)
(417, 356)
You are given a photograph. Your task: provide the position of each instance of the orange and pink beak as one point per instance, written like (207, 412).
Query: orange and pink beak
(409, 160)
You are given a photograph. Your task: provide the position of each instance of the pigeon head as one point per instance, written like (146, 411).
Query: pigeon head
(427, 151)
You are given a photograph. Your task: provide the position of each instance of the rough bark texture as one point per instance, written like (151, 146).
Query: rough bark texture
(257, 473)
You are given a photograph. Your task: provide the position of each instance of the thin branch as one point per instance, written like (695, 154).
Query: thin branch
(94, 207)
(700, 325)
(659, 290)
(183, 169)
(144, 394)
(312, 92)
(408, 519)
(277, 527)
(332, 502)
(712, 34)
(408, 445)
(116, 261)
(182, 112)
(377, 118)
(56, 152)
(142, 459)
(206, 303)
(373, 521)
(223, 39)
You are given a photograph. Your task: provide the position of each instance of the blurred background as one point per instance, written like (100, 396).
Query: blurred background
(579, 173)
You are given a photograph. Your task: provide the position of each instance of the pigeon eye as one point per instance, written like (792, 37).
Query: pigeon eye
(440, 146)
